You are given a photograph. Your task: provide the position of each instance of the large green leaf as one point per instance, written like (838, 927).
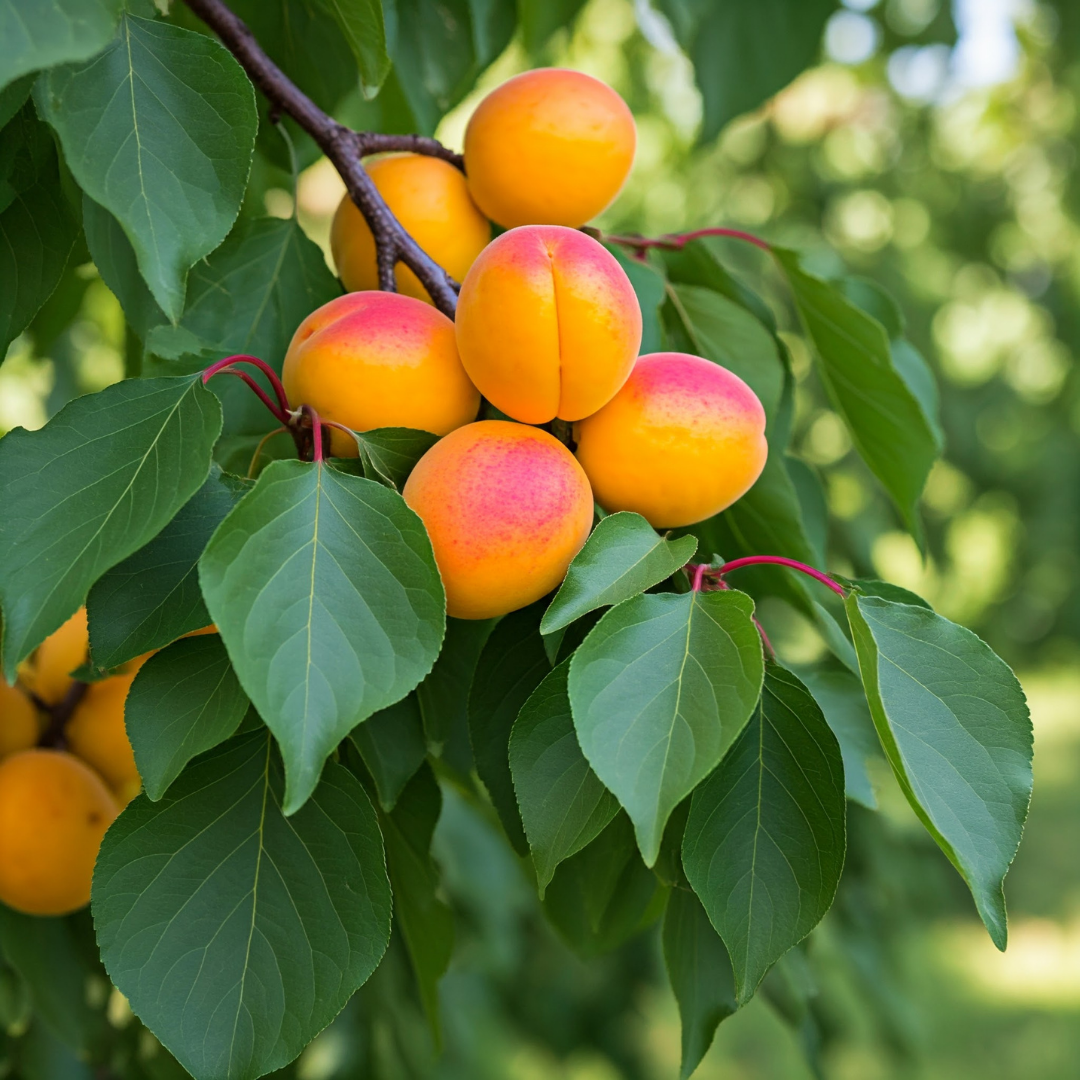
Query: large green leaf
(153, 596)
(361, 25)
(563, 804)
(764, 843)
(699, 968)
(512, 665)
(955, 727)
(886, 421)
(745, 53)
(98, 481)
(36, 34)
(392, 745)
(158, 129)
(623, 556)
(236, 933)
(660, 689)
(389, 454)
(325, 591)
(185, 700)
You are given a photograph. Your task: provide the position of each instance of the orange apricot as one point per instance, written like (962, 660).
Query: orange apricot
(54, 810)
(549, 147)
(47, 672)
(96, 733)
(681, 441)
(547, 324)
(19, 726)
(506, 507)
(431, 200)
(377, 359)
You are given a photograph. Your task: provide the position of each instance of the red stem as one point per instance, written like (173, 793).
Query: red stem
(282, 409)
(677, 241)
(779, 560)
(316, 434)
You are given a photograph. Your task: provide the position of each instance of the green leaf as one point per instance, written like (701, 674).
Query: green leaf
(886, 421)
(153, 596)
(361, 24)
(743, 54)
(885, 590)
(389, 454)
(563, 804)
(185, 700)
(660, 689)
(236, 933)
(326, 594)
(699, 968)
(648, 283)
(392, 745)
(622, 557)
(159, 130)
(764, 843)
(426, 922)
(955, 727)
(512, 665)
(36, 34)
(541, 18)
(98, 481)
(13, 97)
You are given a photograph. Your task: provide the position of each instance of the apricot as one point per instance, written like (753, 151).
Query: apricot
(19, 727)
(47, 673)
(377, 359)
(547, 324)
(431, 200)
(54, 810)
(506, 507)
(681, 441)
(549, 147)
(96, 733)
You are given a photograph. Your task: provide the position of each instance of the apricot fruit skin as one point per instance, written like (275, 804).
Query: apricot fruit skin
(548, 324)
(431, 200)
(54, 810)
(47, 672)
(681, 441)
(377, 359)
(506, 507)
(549, 147)
(96, 733)
(19, 724)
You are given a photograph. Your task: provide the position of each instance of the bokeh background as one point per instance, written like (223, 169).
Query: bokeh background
(934, 148)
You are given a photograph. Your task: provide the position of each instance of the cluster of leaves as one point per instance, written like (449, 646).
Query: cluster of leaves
(639, 748)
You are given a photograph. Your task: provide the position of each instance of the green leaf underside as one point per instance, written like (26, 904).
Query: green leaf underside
(153, 596)
(389, 454)
(563, 805)
(159, 130)
(660, 689)
(699, 969)
(361, 25)
(326, 594)
(622, 557)
(886, 421)
(511, 666)
(236, 933)
(103, 477)
(764, 843)
(185, 700)
(392, 745)
(955, 727)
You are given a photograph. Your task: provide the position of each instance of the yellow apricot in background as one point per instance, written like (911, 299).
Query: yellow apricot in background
(19, 724)
(47, 672)
(96, 733)
(431, 200)
(547, 324)
(506, 507)
(377, 359)
(549, 147)
(54, 811)
(681, 441)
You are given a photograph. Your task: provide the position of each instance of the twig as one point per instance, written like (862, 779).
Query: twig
(344, 148)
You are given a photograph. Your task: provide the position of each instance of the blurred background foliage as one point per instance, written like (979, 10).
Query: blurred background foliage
(934, 149)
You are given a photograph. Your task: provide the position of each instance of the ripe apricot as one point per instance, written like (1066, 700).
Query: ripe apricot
(54, 810)
(431, 200)
(547, 324)
(682, 440)
(19, 727)
(47, 673)
(549, 147)
(96, 733)
(377, 359)
(507, 507)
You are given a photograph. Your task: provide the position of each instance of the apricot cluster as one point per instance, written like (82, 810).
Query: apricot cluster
(547, 332)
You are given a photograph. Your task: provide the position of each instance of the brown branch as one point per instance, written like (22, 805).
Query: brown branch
(344, 148)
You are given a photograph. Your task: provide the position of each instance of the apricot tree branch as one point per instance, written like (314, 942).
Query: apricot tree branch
(344, 148)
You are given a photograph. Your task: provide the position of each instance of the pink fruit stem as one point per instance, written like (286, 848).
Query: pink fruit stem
(282, 409)
(677, 241)
(779, 560)
(316, 434)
